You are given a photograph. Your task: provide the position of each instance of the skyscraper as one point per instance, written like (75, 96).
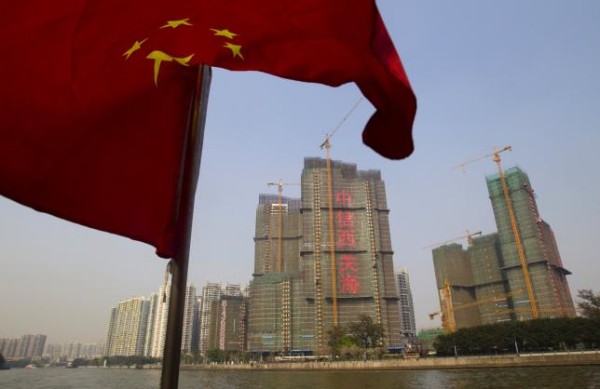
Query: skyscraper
(322, 261)
(514, 274)
(110, 334)
(137, 326)
(158, 320)
(222, 318)
(210, 292)
(405, 304)
(188, 319)
(276, 261)
(127, 328)
(547, 276)
(27, 346)
(152, 307)
(226, 323)
(471, 283)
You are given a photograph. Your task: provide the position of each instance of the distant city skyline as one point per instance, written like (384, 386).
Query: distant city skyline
(138, 325)
(485, 74)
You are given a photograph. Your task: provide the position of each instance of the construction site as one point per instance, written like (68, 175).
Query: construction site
(321, 261)
(513, 274)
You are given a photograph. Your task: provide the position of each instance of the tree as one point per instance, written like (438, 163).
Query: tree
(589, 306)
(2, 360)
(366, 332)
(530, 336)
(339, 339)
(334, 337)
(216, 355)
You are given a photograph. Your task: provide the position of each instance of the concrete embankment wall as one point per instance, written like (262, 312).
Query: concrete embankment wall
(563, 359)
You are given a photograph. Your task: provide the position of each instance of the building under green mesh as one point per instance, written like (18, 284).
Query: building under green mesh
(487, 283)
(291, 296)
(548, 276)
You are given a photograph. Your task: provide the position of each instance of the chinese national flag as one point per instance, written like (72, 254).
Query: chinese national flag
(94, 95)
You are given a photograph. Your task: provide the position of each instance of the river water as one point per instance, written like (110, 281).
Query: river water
(572, 377)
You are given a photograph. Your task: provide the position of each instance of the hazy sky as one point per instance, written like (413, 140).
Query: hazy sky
(486, 73)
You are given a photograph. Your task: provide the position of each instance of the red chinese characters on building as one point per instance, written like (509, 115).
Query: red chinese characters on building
(346, 240)
(343, 198)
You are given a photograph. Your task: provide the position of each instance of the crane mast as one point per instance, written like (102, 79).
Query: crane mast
(517, 235)
(448, 318)
(513, 222)
(279, 185)
(327, 146)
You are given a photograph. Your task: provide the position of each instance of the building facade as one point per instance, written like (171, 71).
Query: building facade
(210, 292)
(322, 260)
(138, 326)
(408, 326)
(27, 346)
(127, 329)
(514, 274)
(547, 275)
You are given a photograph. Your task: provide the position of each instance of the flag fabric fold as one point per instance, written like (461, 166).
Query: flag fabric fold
(95, 94)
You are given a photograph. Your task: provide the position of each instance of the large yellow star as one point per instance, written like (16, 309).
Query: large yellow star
(177, 23)
(235, 49)
(159, 56)
(136, 46)
(226, 33)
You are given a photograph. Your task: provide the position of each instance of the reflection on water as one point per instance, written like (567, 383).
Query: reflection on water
(574, 377)
(547, 377)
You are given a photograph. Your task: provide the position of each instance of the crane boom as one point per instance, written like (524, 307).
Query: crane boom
(448, 309)
(469, 236)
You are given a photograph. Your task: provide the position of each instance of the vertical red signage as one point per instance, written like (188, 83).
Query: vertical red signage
(345, 239)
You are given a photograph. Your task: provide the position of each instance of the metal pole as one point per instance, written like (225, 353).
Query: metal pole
(179, 264)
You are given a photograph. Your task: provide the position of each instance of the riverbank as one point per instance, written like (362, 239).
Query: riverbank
(524, 360)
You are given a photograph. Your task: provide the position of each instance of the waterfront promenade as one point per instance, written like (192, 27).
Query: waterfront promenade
(472, 362)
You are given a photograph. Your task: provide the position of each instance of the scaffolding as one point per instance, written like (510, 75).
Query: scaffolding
(548, 276)
(290, 311)
(514, 274)
(365, 278)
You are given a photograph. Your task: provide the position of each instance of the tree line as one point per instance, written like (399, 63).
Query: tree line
(529, 336)
(522, 336)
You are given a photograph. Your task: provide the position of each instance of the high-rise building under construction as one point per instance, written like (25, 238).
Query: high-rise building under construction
(322, 260)
(547, 276)
(514, 274)
(405, 304)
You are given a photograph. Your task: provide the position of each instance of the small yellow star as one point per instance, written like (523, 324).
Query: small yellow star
(136, 46)
(226, 33)
(235, 49)
(177, 23)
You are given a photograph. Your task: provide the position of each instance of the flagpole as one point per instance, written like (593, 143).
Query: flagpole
(179, 265)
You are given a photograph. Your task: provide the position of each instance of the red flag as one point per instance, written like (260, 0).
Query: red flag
(94, 97)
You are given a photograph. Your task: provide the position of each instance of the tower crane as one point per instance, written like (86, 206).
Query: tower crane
(327, 146)
(279, 185)
(560, 311)
(513, 222)
(448, 309)
(469, 236)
